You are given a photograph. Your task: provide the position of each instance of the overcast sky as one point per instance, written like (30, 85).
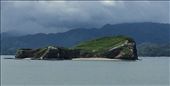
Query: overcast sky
(59, 16)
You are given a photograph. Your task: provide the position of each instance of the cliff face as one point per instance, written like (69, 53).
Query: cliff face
(118, 47)
(48, 53)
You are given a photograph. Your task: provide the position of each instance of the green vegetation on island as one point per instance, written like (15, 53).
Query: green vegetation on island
(116, 47)
(101, 44)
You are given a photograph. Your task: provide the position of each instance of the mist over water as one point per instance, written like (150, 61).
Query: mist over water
(149, 71)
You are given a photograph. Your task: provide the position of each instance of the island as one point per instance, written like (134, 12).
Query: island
(114, 47)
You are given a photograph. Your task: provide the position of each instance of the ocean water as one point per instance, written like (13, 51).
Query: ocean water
(149, 71)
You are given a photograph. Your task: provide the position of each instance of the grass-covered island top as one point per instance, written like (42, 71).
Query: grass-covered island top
(115, 47)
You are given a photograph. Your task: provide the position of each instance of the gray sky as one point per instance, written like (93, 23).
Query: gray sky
(59, 16)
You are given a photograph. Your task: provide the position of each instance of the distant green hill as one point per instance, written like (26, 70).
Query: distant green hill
(153, 49)
(156, 33)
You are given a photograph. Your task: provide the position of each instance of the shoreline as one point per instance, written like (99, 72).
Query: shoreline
(75, 59)
(94, 58)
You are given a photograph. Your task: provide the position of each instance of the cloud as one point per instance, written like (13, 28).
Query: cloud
(108, 3)
(59, 16)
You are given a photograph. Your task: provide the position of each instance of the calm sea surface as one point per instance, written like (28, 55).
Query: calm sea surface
(150, 71)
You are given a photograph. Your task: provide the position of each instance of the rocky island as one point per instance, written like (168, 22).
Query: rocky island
(115, 47)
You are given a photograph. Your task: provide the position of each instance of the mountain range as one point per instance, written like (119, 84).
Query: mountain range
(147, 32)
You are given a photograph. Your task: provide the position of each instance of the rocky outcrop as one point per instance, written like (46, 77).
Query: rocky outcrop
(48, 53)
(122, 48)
(25, 53)
(126, 51)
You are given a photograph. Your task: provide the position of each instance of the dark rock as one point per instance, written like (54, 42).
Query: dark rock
(25, 53)
(119, 47)
(48, 53)
(126, 51)
(59, 53)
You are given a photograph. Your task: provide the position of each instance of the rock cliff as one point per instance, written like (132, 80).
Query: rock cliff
(117, 47)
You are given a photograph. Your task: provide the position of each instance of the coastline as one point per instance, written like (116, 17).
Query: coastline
(81, 58)
(94, 58)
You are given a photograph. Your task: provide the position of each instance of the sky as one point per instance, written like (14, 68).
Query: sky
(59, 16)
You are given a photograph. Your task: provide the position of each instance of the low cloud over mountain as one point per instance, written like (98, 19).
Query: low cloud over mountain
(58, 16)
